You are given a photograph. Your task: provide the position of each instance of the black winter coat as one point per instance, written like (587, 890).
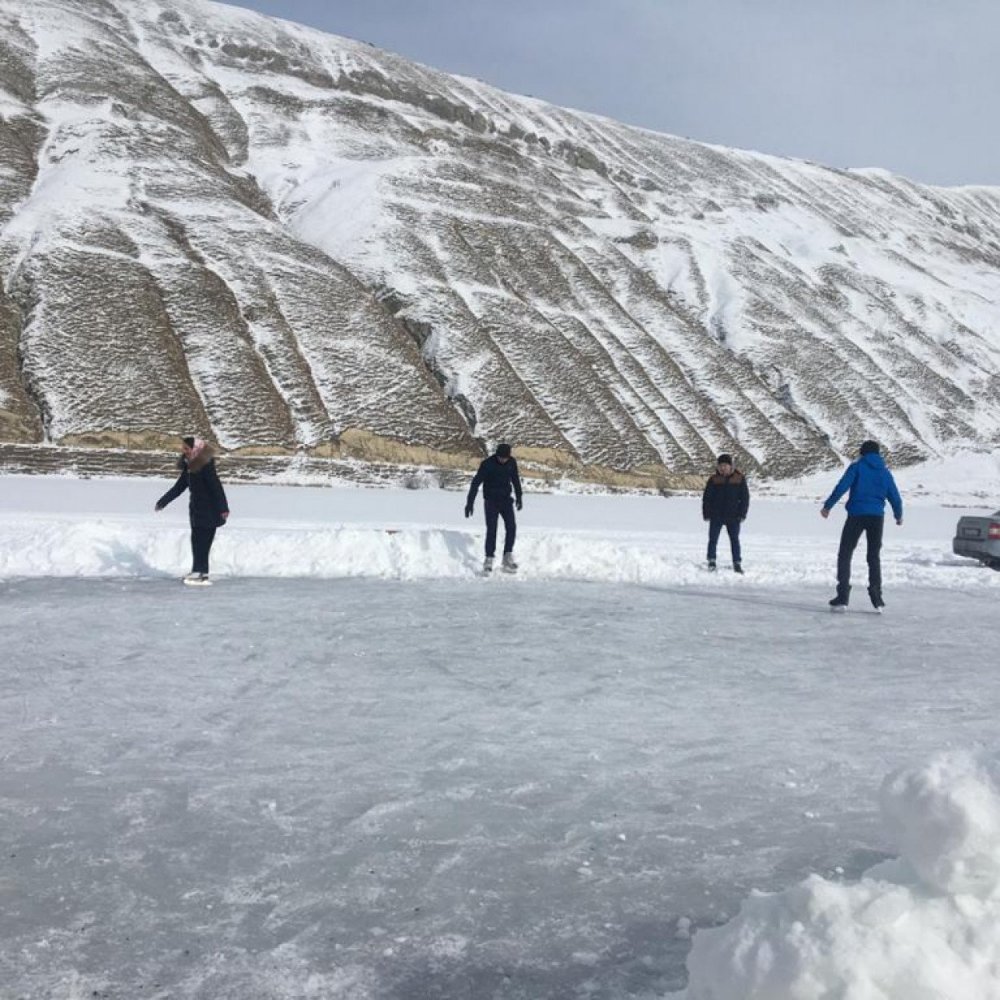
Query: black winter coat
(497, 478)
(208, 498)
(726, 498)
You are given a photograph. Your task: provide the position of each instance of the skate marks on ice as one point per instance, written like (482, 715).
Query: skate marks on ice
(753, 596)
(341, 783)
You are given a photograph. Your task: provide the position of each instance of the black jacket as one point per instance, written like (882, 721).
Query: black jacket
(496, 478)
(726, 498)
(208, 498)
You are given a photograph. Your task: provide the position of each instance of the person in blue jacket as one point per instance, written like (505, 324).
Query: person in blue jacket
(870, 484)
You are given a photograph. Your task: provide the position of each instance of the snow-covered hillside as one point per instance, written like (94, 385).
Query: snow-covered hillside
(291, 241)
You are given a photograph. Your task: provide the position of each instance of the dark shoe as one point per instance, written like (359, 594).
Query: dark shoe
(839, 603)
(876, 599)
(711, 565)
(737, 567)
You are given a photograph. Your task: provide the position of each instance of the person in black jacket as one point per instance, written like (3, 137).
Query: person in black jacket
(208, 508)
(497, 475)
(725, 503)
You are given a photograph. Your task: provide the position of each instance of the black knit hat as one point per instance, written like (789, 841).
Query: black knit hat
(724, 459)
(503, 450)
(189, 441)
(869, 448)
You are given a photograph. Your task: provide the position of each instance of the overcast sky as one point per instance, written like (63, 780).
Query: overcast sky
(911, 85)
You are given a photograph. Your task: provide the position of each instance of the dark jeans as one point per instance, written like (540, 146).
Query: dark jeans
(715, 529)
(855, 526)
(201, 545)
(494, 510)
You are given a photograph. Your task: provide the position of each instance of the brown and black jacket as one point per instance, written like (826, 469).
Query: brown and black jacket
(726, 498)
(208, 499)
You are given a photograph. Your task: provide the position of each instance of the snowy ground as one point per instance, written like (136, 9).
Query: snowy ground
(430, 786)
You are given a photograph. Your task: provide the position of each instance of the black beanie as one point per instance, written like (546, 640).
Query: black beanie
(869, 448)
(724, 459)
(189, 441)
(503, 450)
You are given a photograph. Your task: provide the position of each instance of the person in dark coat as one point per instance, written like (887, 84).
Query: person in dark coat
(870, 484)
(498, 476)
(208, 507)
(725, 503)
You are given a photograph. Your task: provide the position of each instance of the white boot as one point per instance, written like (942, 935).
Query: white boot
(509, 566)
(487, 565)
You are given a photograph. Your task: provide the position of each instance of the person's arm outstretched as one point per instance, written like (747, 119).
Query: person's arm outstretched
(846, 482)
(174, 492)
(895, 500)
(470, 500)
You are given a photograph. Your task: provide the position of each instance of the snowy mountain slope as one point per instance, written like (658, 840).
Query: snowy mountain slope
(295, 241)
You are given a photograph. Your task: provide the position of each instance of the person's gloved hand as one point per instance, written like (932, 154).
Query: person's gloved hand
(468, 510)
(518, 504)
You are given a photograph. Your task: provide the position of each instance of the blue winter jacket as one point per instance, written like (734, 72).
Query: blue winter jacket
(871, 484)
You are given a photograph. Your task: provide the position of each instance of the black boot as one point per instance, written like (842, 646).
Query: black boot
(839, 603)
(876, 598)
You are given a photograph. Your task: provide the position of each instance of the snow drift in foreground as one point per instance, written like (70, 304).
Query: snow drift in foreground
(923, 927)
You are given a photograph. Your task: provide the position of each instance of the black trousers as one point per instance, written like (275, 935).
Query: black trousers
(201, 545)
(495, 510)
(855, 526)
(715, 529)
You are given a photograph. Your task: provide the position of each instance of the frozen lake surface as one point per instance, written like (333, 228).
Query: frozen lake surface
(440, 789)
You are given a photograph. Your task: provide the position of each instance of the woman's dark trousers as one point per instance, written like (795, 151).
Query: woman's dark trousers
(201, 545)
(855, 526)
(496, 510)
(715, 529)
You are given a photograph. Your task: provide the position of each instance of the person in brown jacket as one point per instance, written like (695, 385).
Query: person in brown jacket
(725, 503)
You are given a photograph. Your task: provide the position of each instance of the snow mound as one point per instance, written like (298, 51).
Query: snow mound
(924, 927)
(945, 817)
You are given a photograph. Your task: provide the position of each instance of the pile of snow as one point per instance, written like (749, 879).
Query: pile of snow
(923, 927)
(60, 527)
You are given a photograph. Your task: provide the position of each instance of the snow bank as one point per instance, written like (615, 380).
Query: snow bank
(923, 927)
(96, 528)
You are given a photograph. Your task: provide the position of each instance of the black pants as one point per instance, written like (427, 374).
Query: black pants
(201, 545)
(496, 509)
(715, 529)
(855, 526)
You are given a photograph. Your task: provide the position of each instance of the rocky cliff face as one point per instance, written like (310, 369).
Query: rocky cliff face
(289, 241)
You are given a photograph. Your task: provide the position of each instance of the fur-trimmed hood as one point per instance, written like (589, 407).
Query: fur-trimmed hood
(734, 478)
(196, 464)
